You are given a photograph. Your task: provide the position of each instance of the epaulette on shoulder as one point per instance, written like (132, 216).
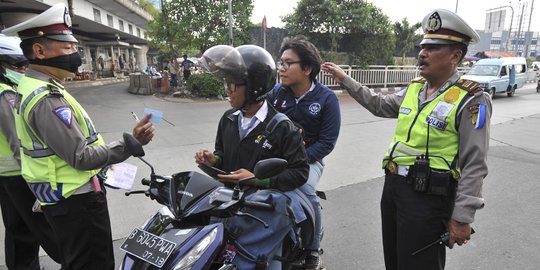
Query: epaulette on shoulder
(471, 87)
(53, 90)
(421, 80)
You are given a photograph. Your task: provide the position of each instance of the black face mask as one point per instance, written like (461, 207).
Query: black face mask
(70, 62)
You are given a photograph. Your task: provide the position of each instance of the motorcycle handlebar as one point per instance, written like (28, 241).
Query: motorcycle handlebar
(259, 205)
(145, 181)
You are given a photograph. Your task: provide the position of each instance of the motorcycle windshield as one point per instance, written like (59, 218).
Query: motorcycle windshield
(190, 187)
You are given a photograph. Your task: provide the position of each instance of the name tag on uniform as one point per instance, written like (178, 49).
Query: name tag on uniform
(405, 111)
(436, 123)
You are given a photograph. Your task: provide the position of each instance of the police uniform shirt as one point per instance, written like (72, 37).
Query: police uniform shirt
(473, 143)
(7, 123)
(68, 141)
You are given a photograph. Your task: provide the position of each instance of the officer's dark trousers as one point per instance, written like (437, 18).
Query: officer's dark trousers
(410, 221)
(84, 230)
(25, 230)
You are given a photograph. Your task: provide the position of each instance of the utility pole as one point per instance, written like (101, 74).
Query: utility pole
(230, 24)
(457, 1)
(519, 27)
(528, 31)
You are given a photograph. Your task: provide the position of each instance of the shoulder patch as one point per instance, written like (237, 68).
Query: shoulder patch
(421, 80)
(65, 114)
(471, 87)
(11, 102)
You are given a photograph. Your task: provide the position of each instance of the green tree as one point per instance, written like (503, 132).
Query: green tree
(406, 37)
(149, 6)
(198, 24)
(356, 27)
(317, 19)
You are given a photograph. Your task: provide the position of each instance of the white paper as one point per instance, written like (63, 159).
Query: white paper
(121, 175)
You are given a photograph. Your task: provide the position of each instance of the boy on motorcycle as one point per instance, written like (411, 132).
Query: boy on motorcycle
(249, 73)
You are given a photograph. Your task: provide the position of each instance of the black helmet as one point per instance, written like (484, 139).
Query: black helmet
(250, 63)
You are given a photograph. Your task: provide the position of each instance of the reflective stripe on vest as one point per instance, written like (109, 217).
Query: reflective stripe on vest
(44, 192)
(8, 164)
(411, 136)
(52, 176)
(39, 148)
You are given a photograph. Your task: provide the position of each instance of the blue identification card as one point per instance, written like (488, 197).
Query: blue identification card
(156, 115)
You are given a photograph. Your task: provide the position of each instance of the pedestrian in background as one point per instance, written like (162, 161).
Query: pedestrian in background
(61, 151)
(186, 67)
(25, 230)
(315, 110)
(173, 70)
(436, 163)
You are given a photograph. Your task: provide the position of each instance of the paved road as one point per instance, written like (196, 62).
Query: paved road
(507, 230)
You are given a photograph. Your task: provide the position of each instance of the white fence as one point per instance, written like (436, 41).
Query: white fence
(379, 76)
(388, 76)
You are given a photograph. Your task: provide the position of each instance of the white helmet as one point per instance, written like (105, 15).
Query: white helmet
(12, 55)
(11, 52)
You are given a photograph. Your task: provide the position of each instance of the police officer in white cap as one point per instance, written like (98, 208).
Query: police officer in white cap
(25, 230)
(61, 150)
(436, 162)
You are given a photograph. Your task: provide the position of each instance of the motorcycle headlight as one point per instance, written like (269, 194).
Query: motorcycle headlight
(196, 252)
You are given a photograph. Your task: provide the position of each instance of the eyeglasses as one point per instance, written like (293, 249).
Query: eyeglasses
(287, 64)
(232, 86)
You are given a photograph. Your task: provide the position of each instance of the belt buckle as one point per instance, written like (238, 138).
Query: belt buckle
(392, 167)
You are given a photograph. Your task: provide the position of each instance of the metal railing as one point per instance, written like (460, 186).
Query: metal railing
(379, 76)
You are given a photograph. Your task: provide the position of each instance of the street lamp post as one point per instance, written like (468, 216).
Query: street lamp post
(509, 30)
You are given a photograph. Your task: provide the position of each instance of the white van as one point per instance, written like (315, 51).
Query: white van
(503, 75)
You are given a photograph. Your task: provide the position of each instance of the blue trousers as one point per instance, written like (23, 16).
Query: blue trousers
(310, 190)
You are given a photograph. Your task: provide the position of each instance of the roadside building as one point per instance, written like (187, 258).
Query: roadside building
(507, 29)
(112, 29)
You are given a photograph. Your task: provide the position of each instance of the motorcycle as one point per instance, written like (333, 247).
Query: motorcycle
(207, 225)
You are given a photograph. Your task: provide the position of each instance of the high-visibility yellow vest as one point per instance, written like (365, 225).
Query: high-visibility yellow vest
(8, 164)
(50, 177)
(439, 117)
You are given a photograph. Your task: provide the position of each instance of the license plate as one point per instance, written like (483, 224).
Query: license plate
(148, 247)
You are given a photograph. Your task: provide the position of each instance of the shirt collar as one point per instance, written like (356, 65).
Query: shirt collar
(310, 89)
(451, 81)
(42, 77)
(260, 114)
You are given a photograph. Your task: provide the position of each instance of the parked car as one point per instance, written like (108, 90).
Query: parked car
(502, 75)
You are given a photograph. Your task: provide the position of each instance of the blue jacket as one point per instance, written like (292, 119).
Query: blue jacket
(317, 113)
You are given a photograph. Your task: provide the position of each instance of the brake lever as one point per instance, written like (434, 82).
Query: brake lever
(239, 213)
(135, 192)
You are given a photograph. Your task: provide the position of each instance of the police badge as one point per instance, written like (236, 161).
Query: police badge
(434, 22)
(67, 18)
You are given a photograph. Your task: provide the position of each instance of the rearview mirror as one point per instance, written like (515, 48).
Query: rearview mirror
(267, 168)
(134, 146)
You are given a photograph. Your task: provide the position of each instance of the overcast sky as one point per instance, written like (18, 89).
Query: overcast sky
(472, 11)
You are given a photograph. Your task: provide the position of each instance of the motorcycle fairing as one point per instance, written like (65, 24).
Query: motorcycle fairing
(186, 238)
